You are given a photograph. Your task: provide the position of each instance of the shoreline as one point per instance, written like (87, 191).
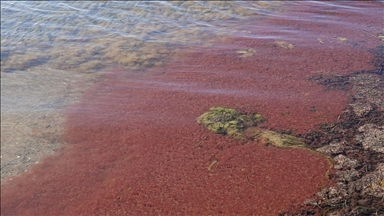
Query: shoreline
(160, 160)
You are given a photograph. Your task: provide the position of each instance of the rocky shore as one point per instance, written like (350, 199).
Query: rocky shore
(355, 142)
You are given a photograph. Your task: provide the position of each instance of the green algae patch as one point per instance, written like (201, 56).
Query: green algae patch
(280, 140)
(222, 120)
(244, 126)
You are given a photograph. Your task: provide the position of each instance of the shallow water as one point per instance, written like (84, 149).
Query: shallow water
(91, 36)
(61, 40)
(253, 55)
(82, 37)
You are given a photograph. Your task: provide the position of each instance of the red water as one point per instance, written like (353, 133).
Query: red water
(134, 146)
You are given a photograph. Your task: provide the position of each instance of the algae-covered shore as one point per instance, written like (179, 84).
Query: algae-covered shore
(355, 142)
(130, 156)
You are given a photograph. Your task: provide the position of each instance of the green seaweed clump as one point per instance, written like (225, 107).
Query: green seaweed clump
(228, 121)
(279, 140)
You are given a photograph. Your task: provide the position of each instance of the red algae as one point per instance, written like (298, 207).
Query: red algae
(135, 147)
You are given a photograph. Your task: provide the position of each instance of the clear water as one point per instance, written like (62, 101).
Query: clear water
(59, 42)
(89, 37)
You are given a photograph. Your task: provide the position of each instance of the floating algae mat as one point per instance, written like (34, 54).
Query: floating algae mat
(244, 126)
